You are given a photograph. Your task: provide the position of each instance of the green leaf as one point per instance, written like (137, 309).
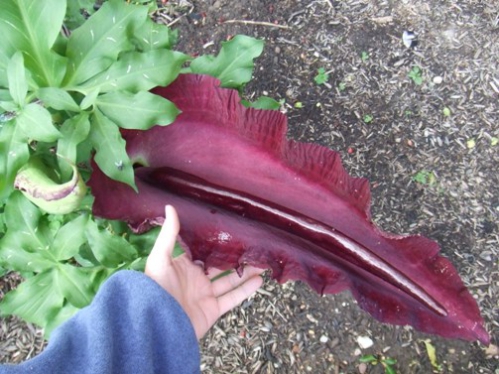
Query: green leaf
(69, 238)
(390, 370)
(22, 217)
(35, 300)
(86, 257)
(57, 98)
(138, 111)
(264, 102)
(83, 153)
(16, 258)
(110, 150)
(136, 72)
(390, 361)
(89, 100)
(74, 16)
(368, 358)
(143, 243)
(110, 250)
(368, 118)
(36, 123)
(65, 313)
(74, 284)
(4, 61)
(32, 27)
(321, 77)
(74, 131)
(94, 46)
(14, 153)
(98, 276)
(138, 265)
(152, 35)
(8, 106)
(234, 64)
(416, 75)
(5, 94)
(16, 75)
(424, 177)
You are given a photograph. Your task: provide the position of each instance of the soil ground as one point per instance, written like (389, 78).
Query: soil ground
(290, 329)
(428, 150)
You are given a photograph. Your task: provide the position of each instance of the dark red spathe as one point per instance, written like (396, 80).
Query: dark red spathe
(247, 195)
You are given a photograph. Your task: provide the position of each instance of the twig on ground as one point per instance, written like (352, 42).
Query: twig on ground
(258, 23)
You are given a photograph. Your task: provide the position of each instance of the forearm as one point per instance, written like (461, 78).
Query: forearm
(132, 326)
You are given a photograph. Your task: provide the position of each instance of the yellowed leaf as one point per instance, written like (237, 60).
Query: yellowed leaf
(432, 354)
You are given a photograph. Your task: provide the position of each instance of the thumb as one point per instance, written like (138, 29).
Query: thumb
(161, 253)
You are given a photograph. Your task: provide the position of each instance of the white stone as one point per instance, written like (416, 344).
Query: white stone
(365, 342)
(324, 339)
(438, 80)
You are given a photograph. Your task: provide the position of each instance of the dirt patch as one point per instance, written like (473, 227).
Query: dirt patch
(389, 129)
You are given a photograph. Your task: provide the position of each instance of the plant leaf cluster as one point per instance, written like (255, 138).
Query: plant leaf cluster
(416, 75)
(68, 85)
(64, 258)
(79, 90)
(425, 177)
(321, 77)
(387, 362)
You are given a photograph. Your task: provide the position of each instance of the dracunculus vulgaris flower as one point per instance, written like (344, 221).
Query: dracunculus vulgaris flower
(246, 195)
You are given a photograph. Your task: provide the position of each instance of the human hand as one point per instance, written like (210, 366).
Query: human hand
(204, 301)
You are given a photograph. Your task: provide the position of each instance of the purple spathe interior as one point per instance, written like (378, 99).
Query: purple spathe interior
(247, 195)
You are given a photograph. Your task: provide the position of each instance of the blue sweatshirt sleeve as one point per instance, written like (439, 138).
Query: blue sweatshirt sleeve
(132, 326)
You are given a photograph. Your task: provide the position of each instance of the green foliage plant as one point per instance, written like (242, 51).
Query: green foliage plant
(68, 84)
(321, 77)
(387, 362)
(425, 178)
(416, 75)
(368, 118)
(264, 102)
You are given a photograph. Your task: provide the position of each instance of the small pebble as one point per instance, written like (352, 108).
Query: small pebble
(487, 256)
(365, 342)
(438, 80)
(362, 368)
(324, 339)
